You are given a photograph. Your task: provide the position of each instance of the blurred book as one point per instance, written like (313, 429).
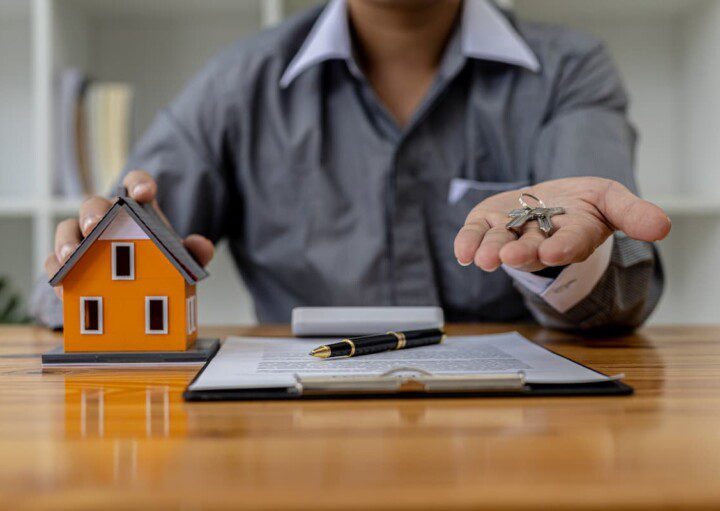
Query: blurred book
(67, 179)
(92, 134)
(107, 115)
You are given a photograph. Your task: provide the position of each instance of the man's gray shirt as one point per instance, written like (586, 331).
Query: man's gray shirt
(324, 200)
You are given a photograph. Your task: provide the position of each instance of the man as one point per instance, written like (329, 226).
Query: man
(368, 153)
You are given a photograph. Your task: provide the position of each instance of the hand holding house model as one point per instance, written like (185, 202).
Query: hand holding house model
(130, 286)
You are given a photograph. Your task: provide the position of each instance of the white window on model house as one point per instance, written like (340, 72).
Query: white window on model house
(91, 315)
(123, 261)
(191, 308)
(156, 314)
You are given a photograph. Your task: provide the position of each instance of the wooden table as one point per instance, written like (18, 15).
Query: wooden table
(88, 439)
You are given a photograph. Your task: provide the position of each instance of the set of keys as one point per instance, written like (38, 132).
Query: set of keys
(541, 213)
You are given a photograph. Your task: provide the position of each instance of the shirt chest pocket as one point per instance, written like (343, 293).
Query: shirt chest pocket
(469, 289)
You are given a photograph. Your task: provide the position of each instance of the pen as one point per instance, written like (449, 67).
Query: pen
(380, 342)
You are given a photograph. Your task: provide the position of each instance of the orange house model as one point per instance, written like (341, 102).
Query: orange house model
(130, 285)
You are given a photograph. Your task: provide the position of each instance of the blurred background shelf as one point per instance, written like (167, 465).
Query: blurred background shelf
(688, 206)
(665, 49)
(68, 207)
(31, 207)
(10, 208)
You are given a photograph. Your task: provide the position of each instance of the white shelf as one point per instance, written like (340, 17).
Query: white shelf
(17, 207)
(35, 207)
(688, 205)
(65, 207)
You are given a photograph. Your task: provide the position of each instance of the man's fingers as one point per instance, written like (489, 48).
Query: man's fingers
(487, 256)
(140, 185)
(570, 244)
(91, 212)
(522, 254)
(67, 238)
(468, 240)
(52, 265)
(201, 248)
(639, 219)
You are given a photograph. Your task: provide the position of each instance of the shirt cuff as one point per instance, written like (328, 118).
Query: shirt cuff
(573, 284)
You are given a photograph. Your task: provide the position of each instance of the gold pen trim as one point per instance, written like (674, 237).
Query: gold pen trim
(402, 340)
(321, 352)
(352, 347)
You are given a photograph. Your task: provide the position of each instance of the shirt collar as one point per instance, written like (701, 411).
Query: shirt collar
(485, 34)
(488, 35)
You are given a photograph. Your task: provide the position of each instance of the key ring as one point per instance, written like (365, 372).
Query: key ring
(526, 205)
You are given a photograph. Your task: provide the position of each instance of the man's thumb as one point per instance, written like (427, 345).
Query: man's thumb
(638, 218)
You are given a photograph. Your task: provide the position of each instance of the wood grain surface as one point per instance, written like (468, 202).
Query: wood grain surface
(98, 439)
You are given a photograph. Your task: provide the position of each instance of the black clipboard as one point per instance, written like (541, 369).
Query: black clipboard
(412, 387)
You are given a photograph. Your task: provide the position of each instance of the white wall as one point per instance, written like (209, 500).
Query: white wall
(17, 178)
(701, 92)
(159, 54)
(15, 265)
(16, 149)
(692, 251)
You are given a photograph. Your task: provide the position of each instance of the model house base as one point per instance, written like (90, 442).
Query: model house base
(202, 351)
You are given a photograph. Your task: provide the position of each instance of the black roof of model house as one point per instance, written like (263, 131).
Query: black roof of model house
(158, 231)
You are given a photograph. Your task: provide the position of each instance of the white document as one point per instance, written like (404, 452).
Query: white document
(256, 362)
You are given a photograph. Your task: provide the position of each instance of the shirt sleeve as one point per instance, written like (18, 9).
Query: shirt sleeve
(186, 150)
(587, 133)
(572, 285)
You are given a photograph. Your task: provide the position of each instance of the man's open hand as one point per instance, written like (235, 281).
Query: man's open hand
(142, 188)
(594, 209)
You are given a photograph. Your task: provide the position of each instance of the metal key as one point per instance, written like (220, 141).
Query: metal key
(519, 212)
(544, 215)
(519, 218)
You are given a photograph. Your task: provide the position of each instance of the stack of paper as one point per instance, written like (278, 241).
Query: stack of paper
(269, 363)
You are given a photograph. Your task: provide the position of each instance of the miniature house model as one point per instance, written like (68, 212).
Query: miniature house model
(130, 285)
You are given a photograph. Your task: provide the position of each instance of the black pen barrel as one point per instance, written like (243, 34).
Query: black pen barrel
(369, 344)
(363, 345)
(424, 341)
(432, 333)
(376, 346)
